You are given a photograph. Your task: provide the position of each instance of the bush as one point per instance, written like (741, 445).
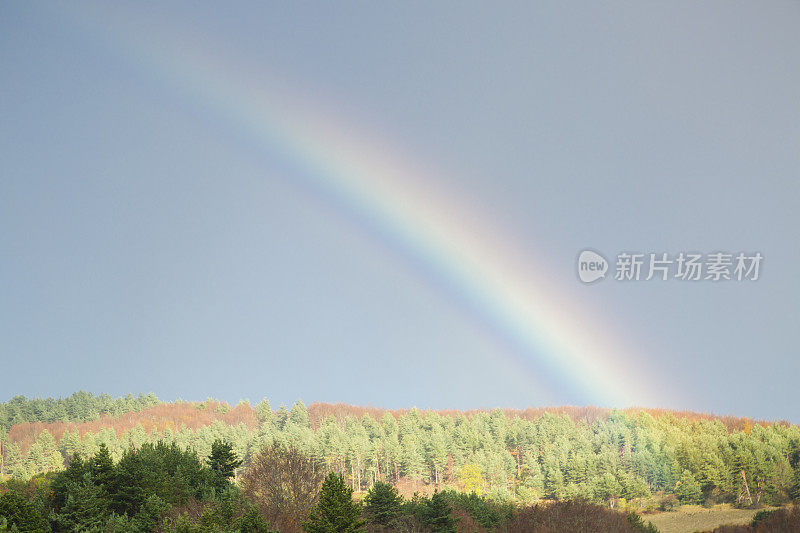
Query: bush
(780, 520)
(639, 524)
(760, 517)
(485, 512)
(574, 515)
(668, 503)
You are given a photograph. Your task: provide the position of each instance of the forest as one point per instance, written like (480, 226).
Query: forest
(84, 456)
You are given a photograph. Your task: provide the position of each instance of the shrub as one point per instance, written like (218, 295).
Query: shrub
(574, 515)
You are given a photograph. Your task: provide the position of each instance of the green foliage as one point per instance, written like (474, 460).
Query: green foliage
(86, 508)
(231, 514)
(336, 511)
(299, 415)
(79, 407)
(488, 513)
(604, 459)
(688, 489)
(264, 411)
(223, 462)
(101, 468)
(382, 504)
(17, 513)
(760, 517)
(131, 495)
(795, 489)
(437, 514)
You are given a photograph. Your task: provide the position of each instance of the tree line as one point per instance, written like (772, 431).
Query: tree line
(165, 489)
(79, 407)
(629, 459)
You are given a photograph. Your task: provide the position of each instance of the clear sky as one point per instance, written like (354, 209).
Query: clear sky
(161, 232)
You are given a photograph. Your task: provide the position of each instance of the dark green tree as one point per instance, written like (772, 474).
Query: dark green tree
(86, 508)
(223, 461)
(437, 514)
(382, 504)
(76, 473)
(21, 515)
(101, 467)
(336, 511)
(226, 515)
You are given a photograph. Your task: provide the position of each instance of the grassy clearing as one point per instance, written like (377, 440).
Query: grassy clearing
(691, 518)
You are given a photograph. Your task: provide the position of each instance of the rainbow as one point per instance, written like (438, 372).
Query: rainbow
(475, 263)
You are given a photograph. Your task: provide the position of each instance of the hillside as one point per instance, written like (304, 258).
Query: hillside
(639, 457)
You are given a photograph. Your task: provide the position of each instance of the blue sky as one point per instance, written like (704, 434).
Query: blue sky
(150, 244)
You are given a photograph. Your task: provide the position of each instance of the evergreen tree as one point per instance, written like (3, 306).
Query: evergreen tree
(70, 443)
(280, 418)
(101, 467)
(20, 515)
(299, 414)
(382, 504)
(223, 461)
(264, 411)
(336, 511)
(438, 514)
(413, 458)
(795, 490)
(86, 508)
(688, 489)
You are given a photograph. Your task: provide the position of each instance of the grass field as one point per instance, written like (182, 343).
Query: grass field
(691, 518)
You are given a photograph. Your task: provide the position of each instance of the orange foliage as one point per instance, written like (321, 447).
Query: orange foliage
(317, 412)
(194, 415)
(174, 416)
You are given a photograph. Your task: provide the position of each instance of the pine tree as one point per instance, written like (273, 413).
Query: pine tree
(223, 461)
(437, 514)
(299, 414)
(688, 489)
(382, 504)
(101, 466)
(413, 458)
(85, 509)
(70, 443)
(336, 511)
(281, 417)
(18, 514)
(264, 411)
(795, 490)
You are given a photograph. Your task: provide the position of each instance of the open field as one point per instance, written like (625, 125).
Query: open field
(691, 518)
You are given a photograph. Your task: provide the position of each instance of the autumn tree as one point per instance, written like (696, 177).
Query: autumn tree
(284, 484)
